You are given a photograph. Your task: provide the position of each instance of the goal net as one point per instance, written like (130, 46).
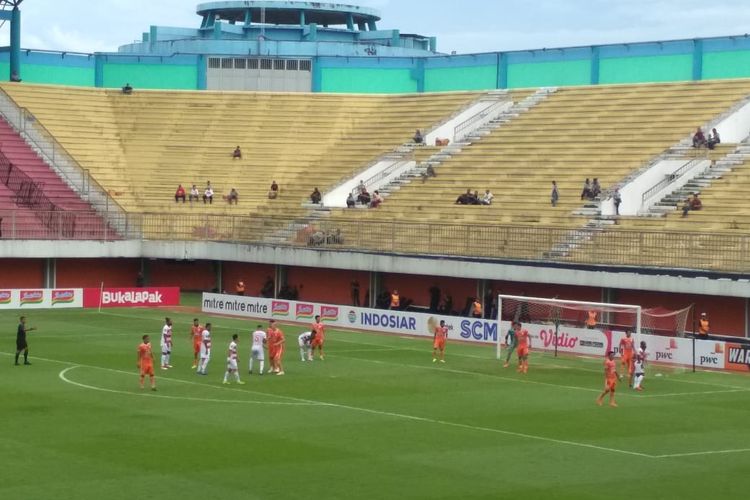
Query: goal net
(583, 327)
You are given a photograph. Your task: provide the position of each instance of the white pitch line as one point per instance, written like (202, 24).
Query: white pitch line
(700, 453)
(695, 393)
(63, 373)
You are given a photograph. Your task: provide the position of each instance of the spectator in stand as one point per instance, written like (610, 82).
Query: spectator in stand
(418, 139)
(208, 194)
(475, 199)
(361, 187)
(355, 292)
(233, 197)
(703, 326)
(195, 195)
(586, 193)
(395, 302)
(240, 287)
(350, 201)
(237, 154)
(364, 197)
(713, 139)
(465, 199)
(487, 198)
(476, 308)
(555, 195)
(699, 140)
(179, 194)
(428, 172)
(315, 196)
(126, 89)
(693, 203)
(617, 200)
(273, 192)
(596, 188)
(377, 200)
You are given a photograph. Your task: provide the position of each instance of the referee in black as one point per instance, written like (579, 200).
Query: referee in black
(21, 344)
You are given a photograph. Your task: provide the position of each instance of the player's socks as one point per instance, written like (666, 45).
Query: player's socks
(17, 354)
(302, 353)
(226, 376)
(237, 378)
(261, 366)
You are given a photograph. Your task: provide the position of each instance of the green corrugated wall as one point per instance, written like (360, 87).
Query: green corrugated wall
(151, 76)
(545, 74)
(367, 80)
(646, 69)
(733, 64)
(462, 78)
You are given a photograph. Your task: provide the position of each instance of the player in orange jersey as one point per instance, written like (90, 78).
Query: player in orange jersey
(275, 347)
(146, 362)
(318, 337)
(524, 344)
(196, 333)
(610, 380)
(438, 342)
(627, 349)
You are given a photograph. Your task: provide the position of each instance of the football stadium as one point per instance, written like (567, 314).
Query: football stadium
(289, 253)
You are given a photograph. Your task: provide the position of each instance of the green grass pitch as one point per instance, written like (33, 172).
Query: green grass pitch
(377, 419)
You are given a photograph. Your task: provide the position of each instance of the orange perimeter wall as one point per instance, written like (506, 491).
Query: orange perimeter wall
(21, 273)
(89, 273)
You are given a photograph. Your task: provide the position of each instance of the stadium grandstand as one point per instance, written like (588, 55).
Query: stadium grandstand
(318, 96)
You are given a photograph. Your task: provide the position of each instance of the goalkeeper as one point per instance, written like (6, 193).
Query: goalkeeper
(511, 342)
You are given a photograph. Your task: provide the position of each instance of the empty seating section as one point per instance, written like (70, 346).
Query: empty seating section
(140, 146)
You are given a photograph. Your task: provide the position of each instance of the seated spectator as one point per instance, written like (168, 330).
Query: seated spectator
(364, 197)
(596, 188)
(693, 203)
(442, 142)
(361, 187)
(315, 196)
(699, 139)
(487, 198)
(194, 194)
(237, 154)
(334, 237)
(377, 200)
(233, 197)
(273, 192)
(586, 193)
(428, 172)
(465, 199)
(127, 89)
(179, 194)
(713, 139)
(316, 239)
(475, 200)
(418, 139)
(208, 194)
(350, 201)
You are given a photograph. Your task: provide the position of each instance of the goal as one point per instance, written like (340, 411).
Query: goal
(583, 327)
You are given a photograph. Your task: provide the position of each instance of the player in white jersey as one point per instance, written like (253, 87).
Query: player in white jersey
(205, 354)
(639, 365)
(257, 350)
(232, 361)
(166, 344)
(305, 350)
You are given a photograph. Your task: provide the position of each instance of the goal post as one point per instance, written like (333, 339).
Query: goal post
(546, 319)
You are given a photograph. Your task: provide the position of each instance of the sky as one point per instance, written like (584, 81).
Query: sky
(476, 26)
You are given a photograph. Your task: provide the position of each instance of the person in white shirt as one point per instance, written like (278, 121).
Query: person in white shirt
(205, 355)
(166, 344)
(208, 194)
(304, 341)
(232, 362)
(257, 350)
(195, 195)
(639, 365)
(487, 198)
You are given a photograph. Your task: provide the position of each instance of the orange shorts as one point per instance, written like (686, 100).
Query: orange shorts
(196, 347)
(317, 341)
(627, 358)
(147, 370)
(523, 352)
(277, 352)
(439, 344)
(610, 384)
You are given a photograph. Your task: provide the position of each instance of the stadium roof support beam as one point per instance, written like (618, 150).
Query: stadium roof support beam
(14, 16)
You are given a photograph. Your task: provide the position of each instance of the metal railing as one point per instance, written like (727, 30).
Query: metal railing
(715, 251)
(482, 118)
(670, 178)
(54, 225)
(55, 155)
(369, 183)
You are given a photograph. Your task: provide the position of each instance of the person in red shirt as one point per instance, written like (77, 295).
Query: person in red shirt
(318, 337)
(179, 194)
(275, 347)
(627, 349)
(524, 344)
(146, 362)
(610, 380)
(196, 334)
(438, 342)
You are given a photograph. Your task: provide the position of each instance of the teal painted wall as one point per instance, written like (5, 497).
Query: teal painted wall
(549, 74)
(732, 64)
(367, 80)
(58, 75)
(667, 68)
(151, 76)
(461, 78)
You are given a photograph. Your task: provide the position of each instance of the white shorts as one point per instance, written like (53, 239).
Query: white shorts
(166, 350)
(205, 354)
(258, 353)
(302, 343)
(231, 364)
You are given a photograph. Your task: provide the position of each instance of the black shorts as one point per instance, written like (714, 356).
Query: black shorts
(21, 344)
